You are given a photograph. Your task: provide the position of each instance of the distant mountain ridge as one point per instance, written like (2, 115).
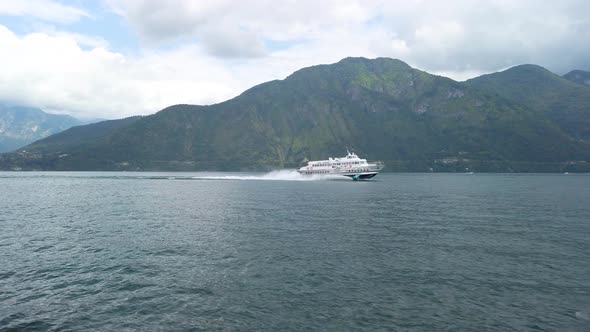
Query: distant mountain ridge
(20, 125)
(566, 104)
(522, 119)
(578, 76)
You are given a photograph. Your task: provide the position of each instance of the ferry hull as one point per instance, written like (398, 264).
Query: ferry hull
(354, 176)
(361, 176)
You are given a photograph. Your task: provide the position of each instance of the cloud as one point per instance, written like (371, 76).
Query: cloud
(46, 10)
(228, 41)
(488, 36)
(454, 36)
(239, 29)
(54, 73)
(80, 39)
(204, 52)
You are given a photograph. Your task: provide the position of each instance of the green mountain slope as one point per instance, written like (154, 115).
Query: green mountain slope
(59, 151)
(564, 102)
(80, 137)
(382, 108)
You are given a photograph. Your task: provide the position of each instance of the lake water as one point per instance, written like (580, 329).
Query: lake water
(219, 251)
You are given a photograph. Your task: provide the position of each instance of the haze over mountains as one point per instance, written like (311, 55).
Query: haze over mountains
(522, 119)
(578, 76)
(20, 125)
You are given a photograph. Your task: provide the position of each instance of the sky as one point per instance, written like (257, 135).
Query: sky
(116, 58)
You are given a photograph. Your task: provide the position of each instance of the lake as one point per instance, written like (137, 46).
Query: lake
(277, 252)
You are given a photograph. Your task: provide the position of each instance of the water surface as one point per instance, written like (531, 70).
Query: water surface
(219, 251)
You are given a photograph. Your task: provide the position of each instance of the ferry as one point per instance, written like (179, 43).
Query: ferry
(350, 166)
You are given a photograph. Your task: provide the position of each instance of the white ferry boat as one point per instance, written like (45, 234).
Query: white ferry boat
(351, 166)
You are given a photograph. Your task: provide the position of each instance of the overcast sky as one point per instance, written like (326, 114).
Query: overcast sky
(116, 58)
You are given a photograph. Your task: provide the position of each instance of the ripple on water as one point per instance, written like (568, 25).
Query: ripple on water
(112, 251)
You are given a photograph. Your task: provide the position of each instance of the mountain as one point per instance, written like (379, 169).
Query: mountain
(563, 102)
(578, 76)
(381, 108)
(20, 126)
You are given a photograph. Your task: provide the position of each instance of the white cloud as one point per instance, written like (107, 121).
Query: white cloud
(460, 35)
(42, 9)
(237, 29)
(52, 72)
(204, 52)
(80, 39)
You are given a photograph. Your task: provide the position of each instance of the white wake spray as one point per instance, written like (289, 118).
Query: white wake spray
(281, 175)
